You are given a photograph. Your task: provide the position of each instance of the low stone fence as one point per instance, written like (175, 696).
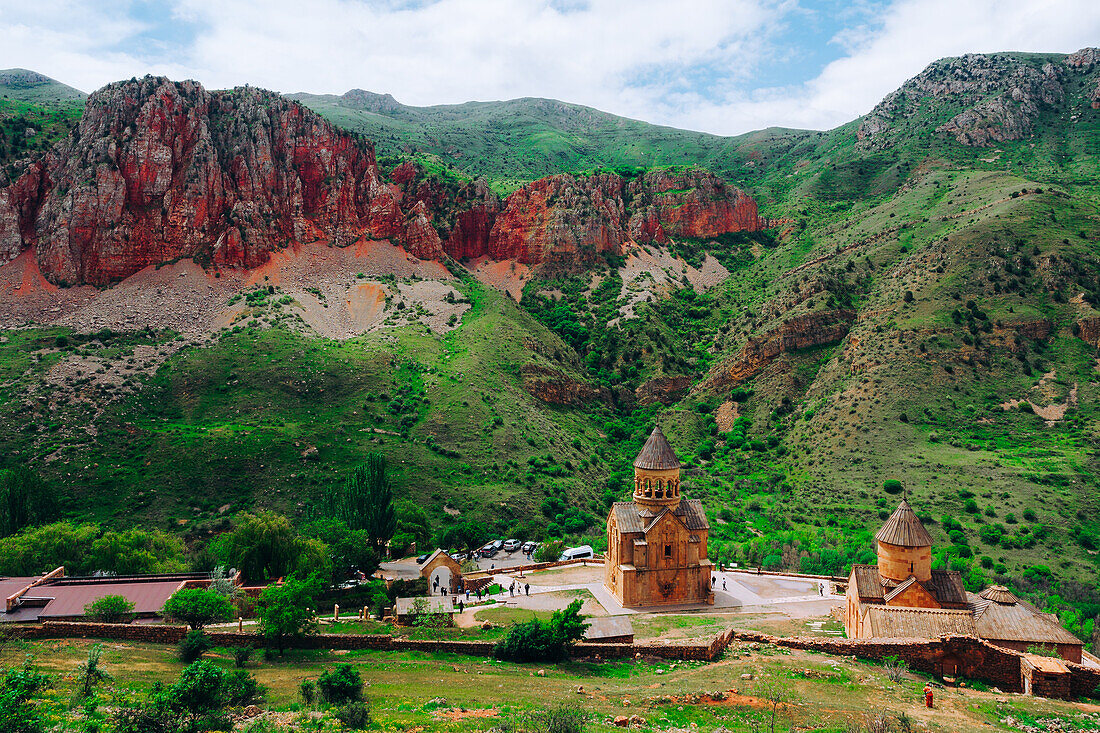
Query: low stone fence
(952, 656)
(165, 634)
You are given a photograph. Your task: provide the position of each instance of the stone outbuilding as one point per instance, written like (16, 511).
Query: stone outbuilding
(657, 543)
(443, 573)
(609, 630)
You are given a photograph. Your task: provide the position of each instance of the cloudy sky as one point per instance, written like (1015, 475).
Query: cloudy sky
(723, 66)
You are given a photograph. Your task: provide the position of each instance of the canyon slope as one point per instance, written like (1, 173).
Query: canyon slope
(915, 298)
(160, 170)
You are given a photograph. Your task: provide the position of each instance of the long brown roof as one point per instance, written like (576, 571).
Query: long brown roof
(901, 622)
(657, 454)
(904, 529)
(1017, 621)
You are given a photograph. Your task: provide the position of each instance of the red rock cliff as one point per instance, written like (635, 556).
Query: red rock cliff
(160, 170)
(690, 203)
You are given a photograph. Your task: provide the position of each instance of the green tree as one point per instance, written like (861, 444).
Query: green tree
(286, 611)
(264, 545)
(348, 549)
(89, 674)
(110, 610)
(138, 551)
(25, 499)
(413, 520)
(198, 607)
(366, 501)
(41, 549)
(543, 641)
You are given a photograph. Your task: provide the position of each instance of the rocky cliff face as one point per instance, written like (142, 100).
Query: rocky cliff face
(985, 98)
(692, 203)
(812, 329)
(562, 219)
(556, 388)
(161, 170)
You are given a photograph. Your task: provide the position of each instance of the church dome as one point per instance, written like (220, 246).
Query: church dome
(904, 529)
(657, 454)
(999, 594)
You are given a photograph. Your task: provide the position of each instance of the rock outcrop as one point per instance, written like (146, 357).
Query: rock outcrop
(665, 390)
(557, 388)
(1002, 96)
(800, 332)
(562, 219)
(689, 203)
(160, 170)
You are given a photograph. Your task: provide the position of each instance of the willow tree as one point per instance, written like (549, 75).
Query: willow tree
(366, 501)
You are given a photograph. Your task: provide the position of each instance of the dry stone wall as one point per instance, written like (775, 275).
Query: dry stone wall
(955, 656)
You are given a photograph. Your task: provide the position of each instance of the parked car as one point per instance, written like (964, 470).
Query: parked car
(512, 545)
(489, 549)
(576, 553)
(420, 560)
(529, 547)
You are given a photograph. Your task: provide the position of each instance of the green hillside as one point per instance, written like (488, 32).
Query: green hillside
(44, 106)
(926, 305)
(523, 139)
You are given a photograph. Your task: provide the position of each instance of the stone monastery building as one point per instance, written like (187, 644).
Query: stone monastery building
(657, 543)
(903, 597)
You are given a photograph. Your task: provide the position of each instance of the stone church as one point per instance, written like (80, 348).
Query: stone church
(903, 597)
(657, 543)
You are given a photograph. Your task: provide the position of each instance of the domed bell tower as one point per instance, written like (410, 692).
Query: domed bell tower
(904, 547)
(656, 474)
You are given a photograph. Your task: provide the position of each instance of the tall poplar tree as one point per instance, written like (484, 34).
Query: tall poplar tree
(366, 501)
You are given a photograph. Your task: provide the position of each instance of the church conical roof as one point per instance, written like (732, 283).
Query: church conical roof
(657, 454)
(904, 529)
(999, 594)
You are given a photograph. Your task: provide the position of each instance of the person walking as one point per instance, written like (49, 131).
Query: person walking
(723, 583)
(527, 589)
(928, 695)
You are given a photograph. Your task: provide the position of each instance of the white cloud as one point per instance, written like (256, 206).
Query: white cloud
(689, 63)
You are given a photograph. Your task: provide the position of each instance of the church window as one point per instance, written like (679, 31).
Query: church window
(668, 550)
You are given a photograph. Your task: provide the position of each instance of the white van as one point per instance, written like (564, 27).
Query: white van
(576, 553)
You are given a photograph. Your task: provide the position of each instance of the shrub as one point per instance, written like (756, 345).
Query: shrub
(198, 607)
(242, 655)
(193, 646)
(242, 688)
(565, 718)
(537, 640)
(895, 668)
(201, 688)
(110, 610)
(308, 690)
(891, 486)
(549, 551)
(340, 685)
(354, 715)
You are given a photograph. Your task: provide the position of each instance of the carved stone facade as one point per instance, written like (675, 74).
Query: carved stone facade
(657, 543)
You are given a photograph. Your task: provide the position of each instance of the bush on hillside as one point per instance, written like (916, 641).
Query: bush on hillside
(193, 645)
(543, 641)
(340, 685)
(892, 486)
